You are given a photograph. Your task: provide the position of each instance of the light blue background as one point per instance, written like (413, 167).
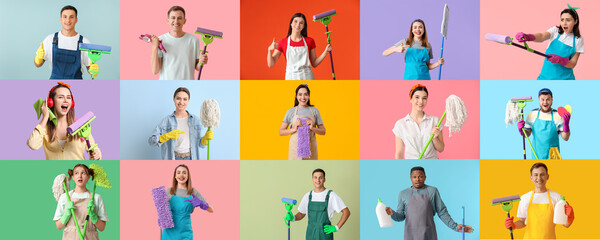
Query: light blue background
(145, 103)
(456, 180)
(25, 24)
(500, 142)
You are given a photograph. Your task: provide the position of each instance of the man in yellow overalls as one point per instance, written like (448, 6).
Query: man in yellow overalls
(536, 208)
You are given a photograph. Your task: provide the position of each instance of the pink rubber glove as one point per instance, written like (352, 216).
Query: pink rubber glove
(523, 37)
(570, 213)
(520, 126)
(567, 118)
(508, 223)
(553, 58)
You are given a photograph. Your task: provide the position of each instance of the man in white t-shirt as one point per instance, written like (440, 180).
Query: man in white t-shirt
(182, 55)
(537, 212)
(320, 204)
(61, 49)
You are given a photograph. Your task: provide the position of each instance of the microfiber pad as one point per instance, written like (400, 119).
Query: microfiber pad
(161, 201)
(303, 148)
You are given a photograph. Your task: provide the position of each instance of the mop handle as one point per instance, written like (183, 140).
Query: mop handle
(288, 230)
(524, 150)
(533, 150)
(72, 211)
(202, 65)
(441, 56)
(208, 148)
(330, 52)
(431, 137)
(463, 230)
(510, 229)
(529, 49)
(87, 217)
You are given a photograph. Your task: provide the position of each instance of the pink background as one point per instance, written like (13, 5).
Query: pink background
(150, 17)
(218, 181)
(382, 103)
(499, 62)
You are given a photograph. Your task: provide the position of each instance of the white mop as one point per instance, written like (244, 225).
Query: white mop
(210, 114)
(456, 116)
(57, 186)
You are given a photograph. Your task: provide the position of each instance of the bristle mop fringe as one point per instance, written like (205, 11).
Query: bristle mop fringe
(303, 148)
(456, 113)
(57, 186)
(210, 113)
(512, 113)
(161, 201)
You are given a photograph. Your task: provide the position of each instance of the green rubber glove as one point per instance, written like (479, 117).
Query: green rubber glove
(39, 56)
(208, 136)
(170, 135)
(67, 215)
(90, 207)
(329, 229)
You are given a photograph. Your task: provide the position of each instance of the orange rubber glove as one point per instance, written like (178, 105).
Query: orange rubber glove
(570, 213)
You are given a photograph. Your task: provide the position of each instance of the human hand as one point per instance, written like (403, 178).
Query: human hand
(389, 211)
(553, 58)
(155, 41)
(329, 229)
(44, 110)
(570, 213)
(39, 56)
(523, 37)
(402, 48)
(297, 123)
(207, 136)
(441, 61)
(436, 131)
(465, 228)
(95, 154)
(203, 59)
(93, 70)
(508, 223)
(274, 45)
(566, 116)
(170, 135)
(328, 48)
(310, 123)
(520, 126)
(289, 217)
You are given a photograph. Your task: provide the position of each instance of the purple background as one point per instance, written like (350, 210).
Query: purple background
(19, 118)
(385, 22)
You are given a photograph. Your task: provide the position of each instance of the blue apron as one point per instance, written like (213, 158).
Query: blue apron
(181, 210)
(545, 136)
(416, 64)
(555, 71)
(66, 64)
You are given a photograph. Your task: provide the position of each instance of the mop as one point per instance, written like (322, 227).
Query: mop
(163, 209)
(303, 143)
(507, 205)
(508, 41)
(147, 38)
(95, 52)
(101, 180)
(457, 116)
(514, 113)
(463, 231)
(289, 204)
(207, 37)
(83, 129)
(325, 19)
(210, 113)
(444, 34)
(60, 186)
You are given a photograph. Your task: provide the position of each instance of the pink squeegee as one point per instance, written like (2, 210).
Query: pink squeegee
(80, 126)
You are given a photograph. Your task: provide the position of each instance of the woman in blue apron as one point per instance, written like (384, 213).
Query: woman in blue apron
(298, 49)
(566, 44)
(417, 53)
(183, 199)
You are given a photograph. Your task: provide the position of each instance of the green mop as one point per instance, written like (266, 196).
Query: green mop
(101, 180)
(58, 188)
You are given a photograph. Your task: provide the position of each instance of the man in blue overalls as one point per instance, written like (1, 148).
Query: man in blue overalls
(61, 49)
(545, 124)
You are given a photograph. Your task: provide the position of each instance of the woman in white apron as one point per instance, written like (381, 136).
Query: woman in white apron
(298, 49)
(305, 112)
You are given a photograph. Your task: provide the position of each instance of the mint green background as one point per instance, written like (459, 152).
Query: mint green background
(264, 183)
(27, 204)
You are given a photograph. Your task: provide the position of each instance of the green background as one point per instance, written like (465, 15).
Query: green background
(27, 204)
(264, 183)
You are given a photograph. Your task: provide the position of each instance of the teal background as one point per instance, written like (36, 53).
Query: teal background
(26, 23)
(27, 205)
(456, 180)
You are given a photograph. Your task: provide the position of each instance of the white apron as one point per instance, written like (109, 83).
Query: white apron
(298, 63)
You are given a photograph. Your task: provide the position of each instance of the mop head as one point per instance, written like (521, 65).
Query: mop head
(456, 113)
(210, 113)
(513, 113)
(303, 148)
(161, 202)
(57, 186)
(100, 176)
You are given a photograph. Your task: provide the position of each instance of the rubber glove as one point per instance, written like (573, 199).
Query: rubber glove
(93, 67)
(196, 202)
(208, 136)
(508, 223)
(67, 215)
(289, 217)
(523, 37)
(567, 118)
(520, 126)
(39, 56)
(170, 135)
(329, 229)
(553, 58)
(90, 207)
(570, 213)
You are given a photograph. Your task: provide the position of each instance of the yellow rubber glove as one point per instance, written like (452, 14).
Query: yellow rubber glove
(170, 135)
(39, 57)
(208, 136)
(93, 70)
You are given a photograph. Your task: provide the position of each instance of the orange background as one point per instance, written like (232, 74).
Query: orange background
(261, 22)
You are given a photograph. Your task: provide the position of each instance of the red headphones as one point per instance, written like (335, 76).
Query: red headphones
(50, 101)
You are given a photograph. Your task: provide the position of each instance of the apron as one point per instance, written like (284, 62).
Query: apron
(181, 210)
(317, 219)
(540, 217)
(292, 154)
(545, 136)
(416, 64)
(298, 63)
(70, 232)
(419, 224)
(66, 64)
(555, 71)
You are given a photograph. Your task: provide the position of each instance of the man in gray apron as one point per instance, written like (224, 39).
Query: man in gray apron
(320, 204)
(417, 205)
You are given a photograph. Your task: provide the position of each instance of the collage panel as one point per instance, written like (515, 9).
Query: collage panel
(151, 127)
(273, 190)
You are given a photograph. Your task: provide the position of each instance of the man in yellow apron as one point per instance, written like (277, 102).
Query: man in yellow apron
(536, 208)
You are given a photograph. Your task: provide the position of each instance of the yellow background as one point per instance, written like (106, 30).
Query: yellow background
(263, 107)
(576, 180)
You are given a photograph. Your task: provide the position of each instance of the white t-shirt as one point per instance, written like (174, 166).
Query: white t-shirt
(179, 63)
(62, 200)
(415, 136)
(335, 202)
(566, 39)
(538, 198)
(558, 121)
(64, 42)
(182, 144)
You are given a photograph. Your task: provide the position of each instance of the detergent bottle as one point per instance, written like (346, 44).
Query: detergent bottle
(384, 219)
(559, 212)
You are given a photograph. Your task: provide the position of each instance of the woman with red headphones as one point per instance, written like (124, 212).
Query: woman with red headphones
(59, 113)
